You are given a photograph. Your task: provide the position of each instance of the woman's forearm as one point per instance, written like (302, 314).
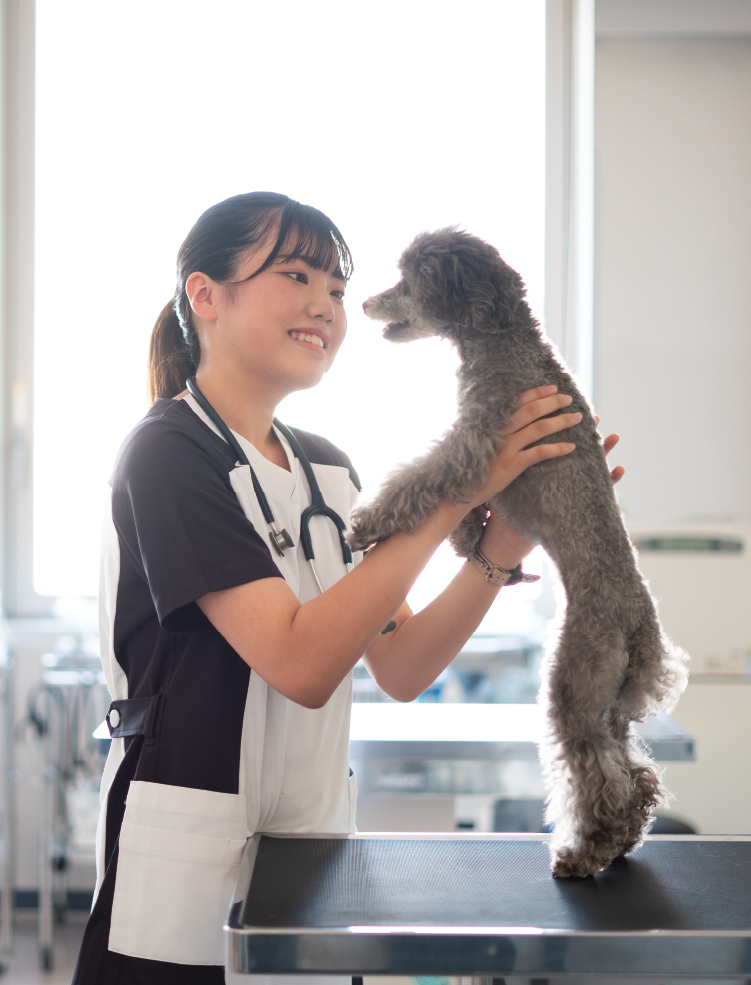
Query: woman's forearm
(304, 651)
(406, 662)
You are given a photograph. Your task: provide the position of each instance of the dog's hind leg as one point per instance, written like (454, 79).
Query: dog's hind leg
(587, 806)
(654, 680)
(645, 782)
(591, 803)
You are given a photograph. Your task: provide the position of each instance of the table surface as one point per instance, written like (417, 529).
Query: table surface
(464, 904)
(385, 730)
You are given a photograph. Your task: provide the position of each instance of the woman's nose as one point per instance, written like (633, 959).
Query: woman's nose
(321, 307)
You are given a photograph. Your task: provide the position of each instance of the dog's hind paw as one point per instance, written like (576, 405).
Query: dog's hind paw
(570, 864)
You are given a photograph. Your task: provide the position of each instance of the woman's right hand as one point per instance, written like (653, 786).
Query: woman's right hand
(528, 425)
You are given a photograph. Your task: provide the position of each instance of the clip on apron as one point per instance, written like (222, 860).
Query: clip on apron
(135, 716)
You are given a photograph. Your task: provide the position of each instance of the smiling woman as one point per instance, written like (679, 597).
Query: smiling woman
(194, 599)
(440, 121)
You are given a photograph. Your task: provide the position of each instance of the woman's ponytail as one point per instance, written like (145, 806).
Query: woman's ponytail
(171, 359)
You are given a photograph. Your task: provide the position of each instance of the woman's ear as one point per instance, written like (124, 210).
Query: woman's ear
(202, 293)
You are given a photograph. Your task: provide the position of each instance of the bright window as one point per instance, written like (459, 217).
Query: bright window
(392, 117)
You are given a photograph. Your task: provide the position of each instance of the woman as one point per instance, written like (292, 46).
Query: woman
(239, 665)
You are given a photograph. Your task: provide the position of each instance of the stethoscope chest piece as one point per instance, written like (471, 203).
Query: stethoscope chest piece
(280, 539)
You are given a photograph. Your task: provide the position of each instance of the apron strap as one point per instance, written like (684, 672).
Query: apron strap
(135, 716)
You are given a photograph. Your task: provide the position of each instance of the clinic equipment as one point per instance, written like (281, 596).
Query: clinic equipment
(63, 708)
(486, 907)
(280, 539)
(701, 573)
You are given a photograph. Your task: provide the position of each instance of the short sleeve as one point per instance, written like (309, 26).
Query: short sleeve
(179, 519)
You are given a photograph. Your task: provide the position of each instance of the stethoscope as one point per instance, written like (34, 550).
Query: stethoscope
(280, 539)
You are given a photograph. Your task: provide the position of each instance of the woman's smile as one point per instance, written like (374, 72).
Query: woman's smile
(315, 341)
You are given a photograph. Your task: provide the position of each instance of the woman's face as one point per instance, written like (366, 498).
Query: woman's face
(282, 328)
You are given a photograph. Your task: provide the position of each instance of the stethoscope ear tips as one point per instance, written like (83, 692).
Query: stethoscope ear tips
(280, 539)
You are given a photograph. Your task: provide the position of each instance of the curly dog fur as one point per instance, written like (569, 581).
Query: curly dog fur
(611, 663)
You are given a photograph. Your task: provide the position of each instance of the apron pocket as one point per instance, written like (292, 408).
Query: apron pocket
(176, 873)
(186, 809)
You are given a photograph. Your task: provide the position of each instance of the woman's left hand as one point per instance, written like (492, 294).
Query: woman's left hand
(609, 444)
(502, 541)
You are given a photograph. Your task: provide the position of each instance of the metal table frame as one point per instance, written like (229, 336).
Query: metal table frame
(481, 952)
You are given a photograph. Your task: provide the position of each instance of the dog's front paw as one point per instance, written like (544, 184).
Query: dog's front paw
(467, 535)
(367, 528)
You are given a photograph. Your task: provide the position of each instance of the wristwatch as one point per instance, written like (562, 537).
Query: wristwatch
(494, 574)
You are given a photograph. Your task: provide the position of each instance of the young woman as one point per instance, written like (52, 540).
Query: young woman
(230, 670)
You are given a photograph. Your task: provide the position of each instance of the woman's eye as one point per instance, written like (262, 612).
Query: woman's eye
(338, 294)
(298, 275)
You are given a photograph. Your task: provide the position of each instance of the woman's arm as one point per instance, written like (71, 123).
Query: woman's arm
(305, 651)
(407, 661)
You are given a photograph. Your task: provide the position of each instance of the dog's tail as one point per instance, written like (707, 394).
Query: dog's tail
(657, 671)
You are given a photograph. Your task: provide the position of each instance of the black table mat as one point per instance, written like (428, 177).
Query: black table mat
(325, 883)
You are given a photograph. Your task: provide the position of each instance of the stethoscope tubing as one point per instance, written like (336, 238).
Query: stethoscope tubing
(318, 505)
(280, 539)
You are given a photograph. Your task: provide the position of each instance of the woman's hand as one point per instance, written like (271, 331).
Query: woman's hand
(609, 444)
(529, 424)
(504, 546)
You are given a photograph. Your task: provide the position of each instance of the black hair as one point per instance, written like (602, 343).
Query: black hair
(216, 246)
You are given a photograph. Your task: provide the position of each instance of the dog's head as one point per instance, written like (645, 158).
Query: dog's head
(453, 284)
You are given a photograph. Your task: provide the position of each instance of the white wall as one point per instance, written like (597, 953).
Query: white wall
(673, 283)
(673, 313)
(672, 18)
(713, 793)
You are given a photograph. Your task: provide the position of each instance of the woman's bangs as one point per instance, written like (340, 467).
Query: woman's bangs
(307, 234)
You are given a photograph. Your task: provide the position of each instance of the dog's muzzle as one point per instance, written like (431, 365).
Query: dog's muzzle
(394, 328)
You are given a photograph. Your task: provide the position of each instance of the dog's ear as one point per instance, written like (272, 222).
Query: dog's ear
(461, 279)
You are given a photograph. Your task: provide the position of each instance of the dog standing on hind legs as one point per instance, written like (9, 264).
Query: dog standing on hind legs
(611, 664)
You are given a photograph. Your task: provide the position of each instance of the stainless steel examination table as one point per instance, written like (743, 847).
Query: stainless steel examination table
(485, 905)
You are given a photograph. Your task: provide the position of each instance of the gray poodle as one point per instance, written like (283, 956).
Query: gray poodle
(611, 663)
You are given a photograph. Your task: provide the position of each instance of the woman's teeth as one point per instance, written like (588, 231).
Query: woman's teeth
(304, 337)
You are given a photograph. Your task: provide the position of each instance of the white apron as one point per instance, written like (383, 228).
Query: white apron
(180, 847)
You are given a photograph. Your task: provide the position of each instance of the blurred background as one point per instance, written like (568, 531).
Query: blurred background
(604, 146)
